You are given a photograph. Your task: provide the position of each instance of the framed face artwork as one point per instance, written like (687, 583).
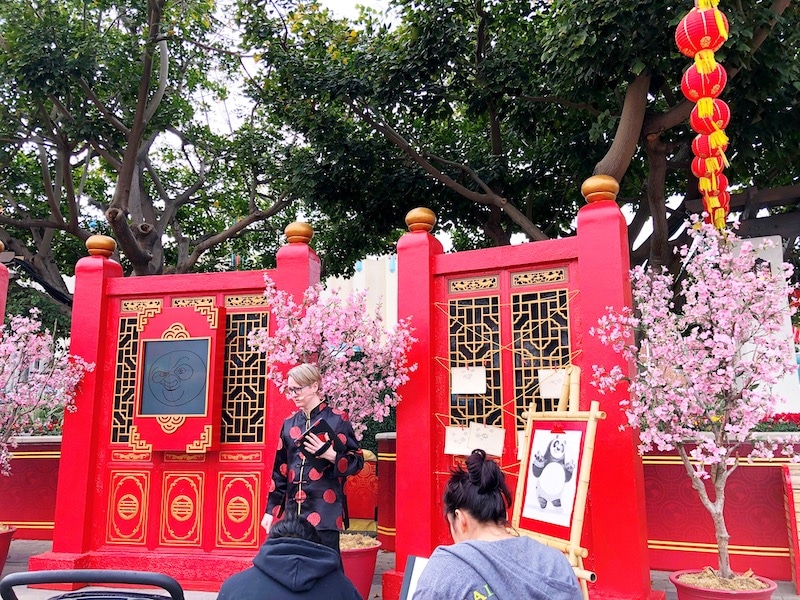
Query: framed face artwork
(179, 380)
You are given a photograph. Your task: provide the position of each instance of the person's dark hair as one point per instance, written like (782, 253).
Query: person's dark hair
(479, 489)
(295, 526)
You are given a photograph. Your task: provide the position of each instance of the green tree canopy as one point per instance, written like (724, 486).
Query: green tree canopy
(493, 112)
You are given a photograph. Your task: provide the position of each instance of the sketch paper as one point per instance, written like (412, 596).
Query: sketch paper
(468, 380)
(550, 382)
(456, 441)
(487, 438)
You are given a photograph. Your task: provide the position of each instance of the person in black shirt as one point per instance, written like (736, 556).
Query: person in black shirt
(309, 471)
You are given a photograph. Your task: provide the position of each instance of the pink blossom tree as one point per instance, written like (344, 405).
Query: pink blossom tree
(38, 381)
(362, 362)
(705, 359)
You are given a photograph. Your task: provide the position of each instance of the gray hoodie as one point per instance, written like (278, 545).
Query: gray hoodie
(517, 568)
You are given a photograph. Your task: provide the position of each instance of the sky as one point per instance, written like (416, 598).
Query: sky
(347, 8)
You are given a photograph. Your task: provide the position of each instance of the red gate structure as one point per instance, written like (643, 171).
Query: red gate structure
(181, 494)
(511, 311)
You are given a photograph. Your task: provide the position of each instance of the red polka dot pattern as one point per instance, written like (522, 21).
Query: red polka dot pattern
(313, 518)
(329, 496)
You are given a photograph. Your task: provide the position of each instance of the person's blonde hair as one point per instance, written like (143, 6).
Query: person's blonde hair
(305, 374)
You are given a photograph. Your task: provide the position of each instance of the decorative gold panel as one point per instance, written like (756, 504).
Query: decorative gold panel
(201, 301)
(128, 507)
(145, 309)
(241, 457)
(183, 457)
(140, 306)
(541, 340)
(539, 277)
(181, 509)
(125, 379)
(170, 423)
(203, 443)
(136, 442)
(474, 334)
(474, 284)
(244, 388)
(130, 456)
(238, 515)
(203, 305)
(245, 300)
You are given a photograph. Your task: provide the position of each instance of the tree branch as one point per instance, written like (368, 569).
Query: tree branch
(626, 138)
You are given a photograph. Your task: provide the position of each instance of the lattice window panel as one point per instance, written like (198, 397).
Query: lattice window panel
(540, 330)
(125, 382)
(474, 335)
(245, 382)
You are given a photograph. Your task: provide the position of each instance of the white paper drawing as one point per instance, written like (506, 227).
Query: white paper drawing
(487, 438)
(552, 474)
(468, 380)
(456, 441)
(550, 382)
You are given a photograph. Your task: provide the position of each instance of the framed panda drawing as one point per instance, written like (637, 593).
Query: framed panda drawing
(553, 481)
(552, 474)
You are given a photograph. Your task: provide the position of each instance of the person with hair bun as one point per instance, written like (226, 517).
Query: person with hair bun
(487, 560)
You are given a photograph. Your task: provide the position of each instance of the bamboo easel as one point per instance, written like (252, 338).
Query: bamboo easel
(567, 411)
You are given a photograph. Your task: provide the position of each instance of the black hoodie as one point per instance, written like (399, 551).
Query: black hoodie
(291, 568)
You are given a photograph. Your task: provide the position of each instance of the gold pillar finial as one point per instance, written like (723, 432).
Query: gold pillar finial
(420, 219)
(600, 187)
(101, 245)
(299, 232)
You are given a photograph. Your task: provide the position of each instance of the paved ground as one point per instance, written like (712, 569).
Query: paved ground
(22, 549)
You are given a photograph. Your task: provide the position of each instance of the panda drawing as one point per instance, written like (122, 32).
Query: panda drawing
(552, 472)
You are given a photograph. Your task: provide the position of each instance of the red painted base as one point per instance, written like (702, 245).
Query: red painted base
(204, 573)
(391, 583)
(690, 592)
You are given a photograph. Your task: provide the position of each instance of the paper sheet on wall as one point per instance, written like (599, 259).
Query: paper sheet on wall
(487, 438)
(456, 441)
(520, 443)
(550, 382)
(468, 380)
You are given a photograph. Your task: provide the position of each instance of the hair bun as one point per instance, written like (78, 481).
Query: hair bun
(483, 474)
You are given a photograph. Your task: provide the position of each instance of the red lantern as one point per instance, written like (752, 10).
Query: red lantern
(701, 30)
(718, 120)
(722, 185)
(703, 147)
(706, 167)
(696, 85)
(724, 200)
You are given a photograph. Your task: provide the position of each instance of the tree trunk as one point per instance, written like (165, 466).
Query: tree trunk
(656, 182)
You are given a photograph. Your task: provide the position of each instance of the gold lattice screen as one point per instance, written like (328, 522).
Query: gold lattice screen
(534, 334)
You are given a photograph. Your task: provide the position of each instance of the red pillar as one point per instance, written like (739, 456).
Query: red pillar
(81, 441)
(617, 524)
(415, 495)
